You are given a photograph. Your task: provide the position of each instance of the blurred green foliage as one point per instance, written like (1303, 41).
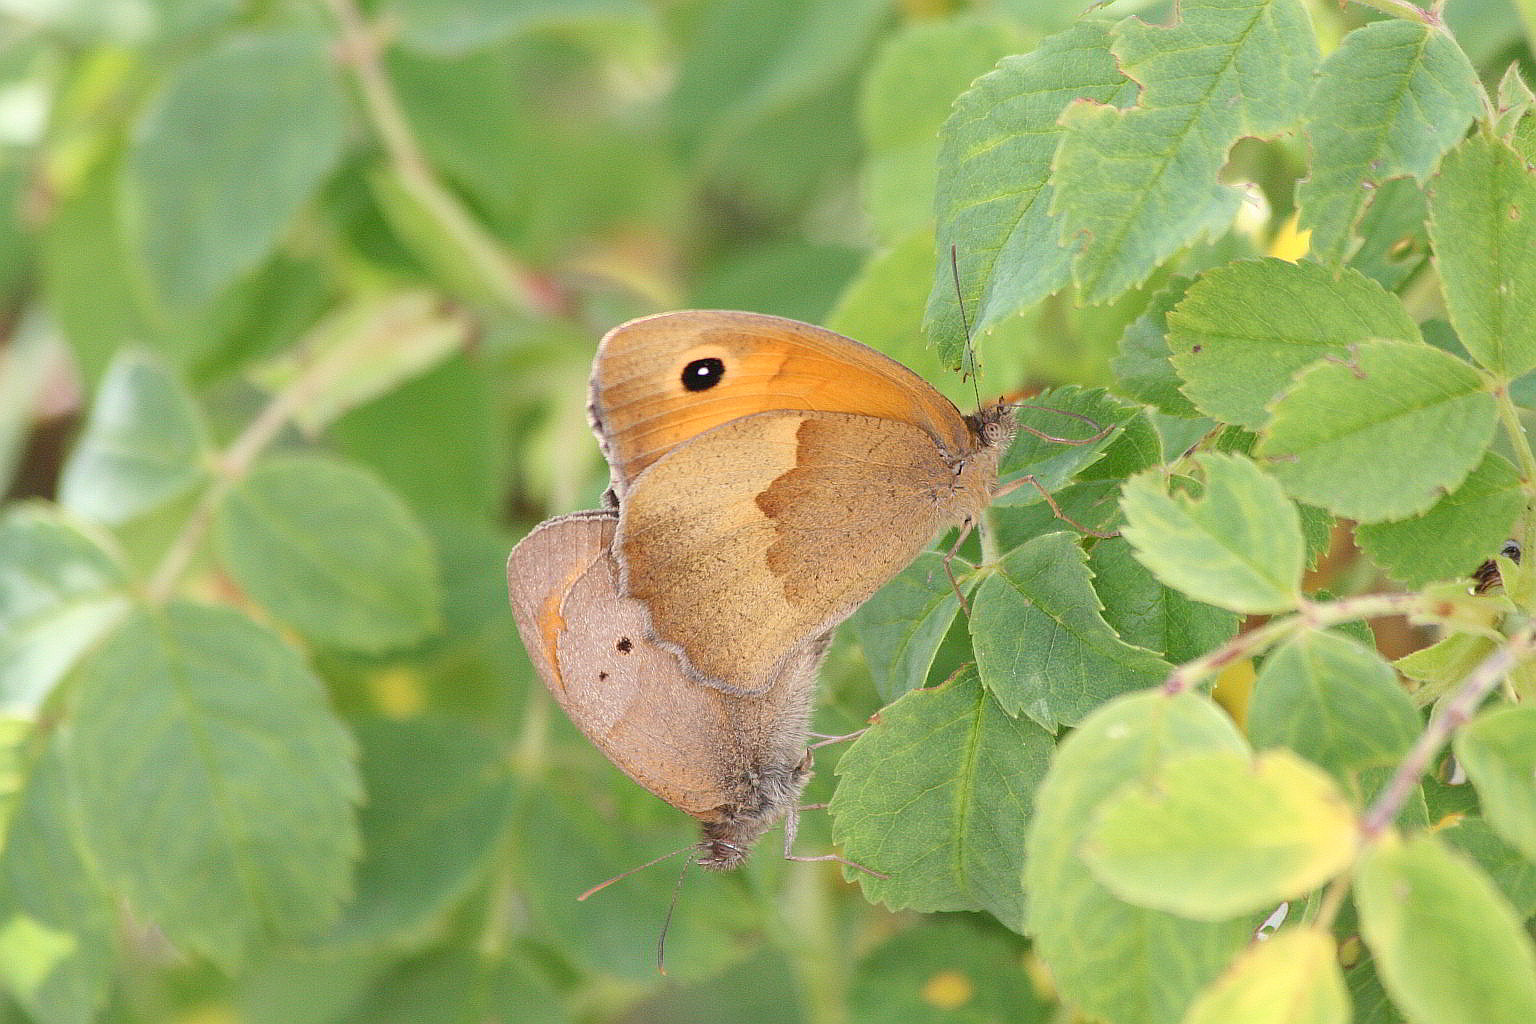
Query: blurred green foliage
(301, 298)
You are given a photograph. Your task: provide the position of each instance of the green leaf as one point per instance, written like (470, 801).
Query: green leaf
(1095, 505)
(902, 626)
(1350, 435)
(883, 308)
(1292, 977)
(249, 834)
(994, 191)
(57, 920)
(207, 207)
(1507, 868)
(60, 592)
(937, 795)
(1245, 329)
(448, 27)
(458, 983)
(946, 970)
(1080, 426)
(1394, 243)
(369, 348)
(1445, 662)
(1387, 103)
(1111, 959)
(1498, 751)
(1148, 614)
(1042, 646)
(1447, 945)
(1142, 183)
(581, 829)
(327, 548)
(1134, 447)
(1335, 703)
(439, 795)
(143, 447)
(1143, 369)
(1482, 220)
(1214, 836)
(906, 96)
(1514, 101)
(1456, 533)
(1237, 546)
(449, 469)
(755, 79)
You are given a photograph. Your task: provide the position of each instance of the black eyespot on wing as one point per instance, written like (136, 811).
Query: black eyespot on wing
(625, 645)
(703, 374)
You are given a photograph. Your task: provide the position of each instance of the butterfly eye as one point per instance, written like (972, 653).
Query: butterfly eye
(703, 374)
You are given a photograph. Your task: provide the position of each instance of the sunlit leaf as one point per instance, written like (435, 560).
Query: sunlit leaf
(60, 592)
(1109, 958)
(1482, 208)
(1214, 836)
(1290, 978)
(1134, 186)
(1387, 103)
(1446, 943)
(1349, 435)
(1238, 545)
(214, 785)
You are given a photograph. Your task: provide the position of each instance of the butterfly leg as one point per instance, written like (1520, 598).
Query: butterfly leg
(792, 826)
(827, 741)
(1014, 485)
(949, 566)
(1101, 431)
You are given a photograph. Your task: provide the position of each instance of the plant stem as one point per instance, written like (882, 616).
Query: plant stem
(500, 276)
(1450, 717)
(1315, 616)
(236, 462)
(230, 469)
(807, 935)
(1509, 416)
(1333, 901)
(1244, 645)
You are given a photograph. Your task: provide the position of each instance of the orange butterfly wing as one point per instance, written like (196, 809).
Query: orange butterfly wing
(642, 407)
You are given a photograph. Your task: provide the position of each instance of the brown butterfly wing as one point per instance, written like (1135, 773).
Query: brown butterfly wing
(804, 517)
(641, 408)
(719, 758)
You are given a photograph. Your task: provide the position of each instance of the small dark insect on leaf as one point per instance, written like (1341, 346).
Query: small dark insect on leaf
(1487, 574)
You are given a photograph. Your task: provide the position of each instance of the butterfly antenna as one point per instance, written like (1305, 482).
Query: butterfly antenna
(965, 323)
(661, 940)
(600, 886)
